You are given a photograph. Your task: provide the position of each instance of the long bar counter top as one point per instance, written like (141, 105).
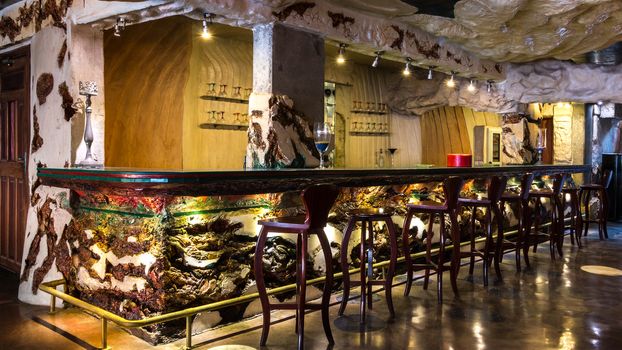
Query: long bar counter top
(127, 181)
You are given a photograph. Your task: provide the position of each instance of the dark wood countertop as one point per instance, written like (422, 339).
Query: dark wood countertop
(140, 182)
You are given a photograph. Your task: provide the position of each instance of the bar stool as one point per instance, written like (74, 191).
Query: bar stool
(318, 201)
(570, 196)
(367, 217)
(555, 234)
(524, 221)
(451, 189)
(492, 250)
(600, 189)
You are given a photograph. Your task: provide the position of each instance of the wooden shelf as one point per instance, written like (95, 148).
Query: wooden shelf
(224, 99)
(368, 112)
(222, 126)
(369, 133)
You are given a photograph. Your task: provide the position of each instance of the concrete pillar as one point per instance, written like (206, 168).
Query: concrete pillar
(287, 98)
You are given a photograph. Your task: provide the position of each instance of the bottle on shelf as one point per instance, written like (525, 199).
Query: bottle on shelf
(380, 159)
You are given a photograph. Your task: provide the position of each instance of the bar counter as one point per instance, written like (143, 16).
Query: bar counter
(124, 181)
(144, 243)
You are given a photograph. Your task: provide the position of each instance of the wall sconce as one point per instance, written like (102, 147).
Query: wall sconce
(119, 26)
(341, 57)
(407, 69)
(207, 21)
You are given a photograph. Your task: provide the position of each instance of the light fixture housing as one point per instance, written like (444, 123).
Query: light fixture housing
(430, 72)
(376, 61)
(341, 56)
(489, 84)
(207, 20)
(119, 26)
(451, 83)
(471, 87)
(406, 72)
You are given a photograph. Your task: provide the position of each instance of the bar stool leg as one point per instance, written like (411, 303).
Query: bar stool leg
(536, 224)
(498, 252)
(577, 222)
(526, 215)
(328, 259)
(428, 251)
(407, 259)
(586, 209)
(441, 259)
(487, 246)
(344, 264)
(362, 272)
(520, 237)
(605, 211)
(559, 232)
(370, 263)
(472, 233)
(261, 286)
(302, 295)
(455, 253)
(391, 272)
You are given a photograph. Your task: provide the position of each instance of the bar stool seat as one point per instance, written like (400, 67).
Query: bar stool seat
(555, 234)
(491, 249)
(367, 217)
(524, 221)
(451, 190)
(318, 200)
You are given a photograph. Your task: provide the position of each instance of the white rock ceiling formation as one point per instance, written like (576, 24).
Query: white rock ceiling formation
(515, 30)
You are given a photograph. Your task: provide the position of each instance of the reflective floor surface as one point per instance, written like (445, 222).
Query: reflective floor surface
(574, 303)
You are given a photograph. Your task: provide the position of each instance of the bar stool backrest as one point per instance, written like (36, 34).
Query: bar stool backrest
(558, 183)
(525, 185)
(451, 187)
(496, 187)
(318, 200)
(605, 179)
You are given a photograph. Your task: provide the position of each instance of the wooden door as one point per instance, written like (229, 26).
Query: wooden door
(547, 154)
(14, 142)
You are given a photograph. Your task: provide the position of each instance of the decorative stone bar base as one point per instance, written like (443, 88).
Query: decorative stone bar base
(146, 243)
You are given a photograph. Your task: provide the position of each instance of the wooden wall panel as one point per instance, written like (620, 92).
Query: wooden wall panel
(146, 70)
(450, 130)
(222, 60)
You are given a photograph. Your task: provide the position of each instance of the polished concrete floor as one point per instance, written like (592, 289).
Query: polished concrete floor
(553, 305)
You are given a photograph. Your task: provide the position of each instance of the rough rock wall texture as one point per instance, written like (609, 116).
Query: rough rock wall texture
(518, 139)
(278, 136)
(144, 256)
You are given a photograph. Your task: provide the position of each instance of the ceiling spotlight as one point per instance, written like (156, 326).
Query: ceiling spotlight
(489, 85)
(471, 87)
(600, 102)
(407, 69)
(119, 26)
(451, 82)
(341, 57)
(430, 74)
(207, 20)
(377, 59)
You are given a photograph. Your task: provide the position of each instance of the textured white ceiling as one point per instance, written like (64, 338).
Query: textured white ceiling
(514, 30)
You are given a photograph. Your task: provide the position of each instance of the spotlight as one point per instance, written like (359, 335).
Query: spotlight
(406, 71)
(430, 72)
(207, 20)
(471, 87)
(119, 26)
(377, 59)
(489, 86)
(600, 102)
(341, 57)
(451, 82)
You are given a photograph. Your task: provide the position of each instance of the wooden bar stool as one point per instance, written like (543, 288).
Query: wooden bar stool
(570, 197)
(555, 233)
(524, 221)
(451, 189)
(318, 200)
(492, 250)
(367, 217)
(598, 188)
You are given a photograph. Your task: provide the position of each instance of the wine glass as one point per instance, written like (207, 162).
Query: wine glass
(540, 143)
(322, 135)
(211, 89)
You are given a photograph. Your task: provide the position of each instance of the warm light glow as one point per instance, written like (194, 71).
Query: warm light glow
(341, 57)
(207, 20)
(406, 72)
(376, 61)
(205, 34)
(430, 73)
(451, 82)
(471, 87)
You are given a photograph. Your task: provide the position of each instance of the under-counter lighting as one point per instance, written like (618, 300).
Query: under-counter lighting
(207, 20)
(341, 57)
(376, 61)
(451, 82)
(407, 69)
(471, 87)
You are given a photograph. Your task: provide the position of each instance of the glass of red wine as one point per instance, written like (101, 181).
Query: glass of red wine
(322, 136)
